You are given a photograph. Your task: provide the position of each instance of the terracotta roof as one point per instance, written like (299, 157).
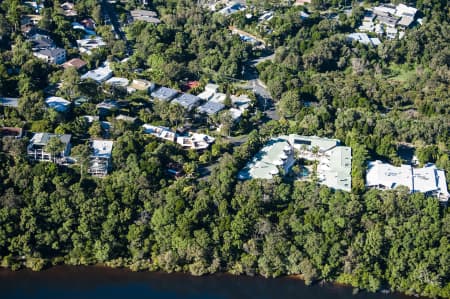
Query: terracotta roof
(75, 62)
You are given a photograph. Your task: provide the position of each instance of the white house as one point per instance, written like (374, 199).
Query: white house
(100, 160)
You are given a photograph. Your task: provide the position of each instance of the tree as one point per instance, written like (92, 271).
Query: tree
(54, 146)
(69, 83)
(290, 104)
(82, 153)
(176, 113)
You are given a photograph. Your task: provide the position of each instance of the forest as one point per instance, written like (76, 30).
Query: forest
(374, 99)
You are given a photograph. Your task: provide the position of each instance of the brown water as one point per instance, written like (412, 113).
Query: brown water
(98, 282)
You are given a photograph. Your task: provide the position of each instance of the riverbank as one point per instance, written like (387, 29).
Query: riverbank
(103, 282)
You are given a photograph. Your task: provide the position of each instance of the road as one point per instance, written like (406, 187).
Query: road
(109, 10)
(265, 101)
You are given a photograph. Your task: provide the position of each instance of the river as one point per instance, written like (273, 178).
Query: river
(98, 282)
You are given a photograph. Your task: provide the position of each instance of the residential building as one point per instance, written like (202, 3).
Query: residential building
(118, 82)
(160, 132)
(242, 102)
(41, 42)
(57, 103)
(100, 74)
(428, 180)
(211, 108)
(195, 141)
(364, 39)
(51, 55)
(126, 118)
(100, 160)
(275, 158)
(335, 168)
(232, 8)
(77, 63)
(188, 101)
(69, 9)
(37, 151)
(142, 85)
(145, 16)
(9, 102)
(107, 106)
(11, 132)
(164, 94)
(88, 44)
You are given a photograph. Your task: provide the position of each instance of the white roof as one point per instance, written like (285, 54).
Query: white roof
(389, 176)
(211, 87)
(235, 113)
(206, 95)
(118, 81)
(425, 180)
(100, 74)
(57, 103)
(102, 148)
(403, 10)
(218, 97)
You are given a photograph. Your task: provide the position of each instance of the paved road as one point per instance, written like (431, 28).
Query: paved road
(263, 96)
(108, 9)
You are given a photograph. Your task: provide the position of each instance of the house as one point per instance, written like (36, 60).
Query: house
(211, 108)
(100, 159)
(9, 102)
(188, 101)
(36, 149)
(126, 118)
(69, 9)
(242, 102)
(77, 63)
(11, 132)
(118, 82)
(232, 8)
(276, 157)
(57, 103)
(364, 39)
(142, 85)
(30, 20)
(107, 106)
(210, 90)
(266, 16)
(145, 16)
(78, 26)
(52, 55)
(164, 94)
(100, 74)
(37, 6)
(235, 114)
(88, 44)
(88, 23)
(301, 2)
(195, 141)
(428, 180)
(41, 42)
(159, 132)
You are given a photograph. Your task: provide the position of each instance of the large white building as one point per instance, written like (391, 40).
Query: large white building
(335, 161)
(276, 157)
(428, 180)
(333, 169)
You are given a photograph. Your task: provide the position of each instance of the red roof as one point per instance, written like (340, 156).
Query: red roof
(75, 62)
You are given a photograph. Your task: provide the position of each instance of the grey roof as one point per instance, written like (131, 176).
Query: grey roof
(54, 52)
(164, 94)
(187, 100)
(9, 102)
(43, 138)
(211, 108)
(323, 144)
(42, 43)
